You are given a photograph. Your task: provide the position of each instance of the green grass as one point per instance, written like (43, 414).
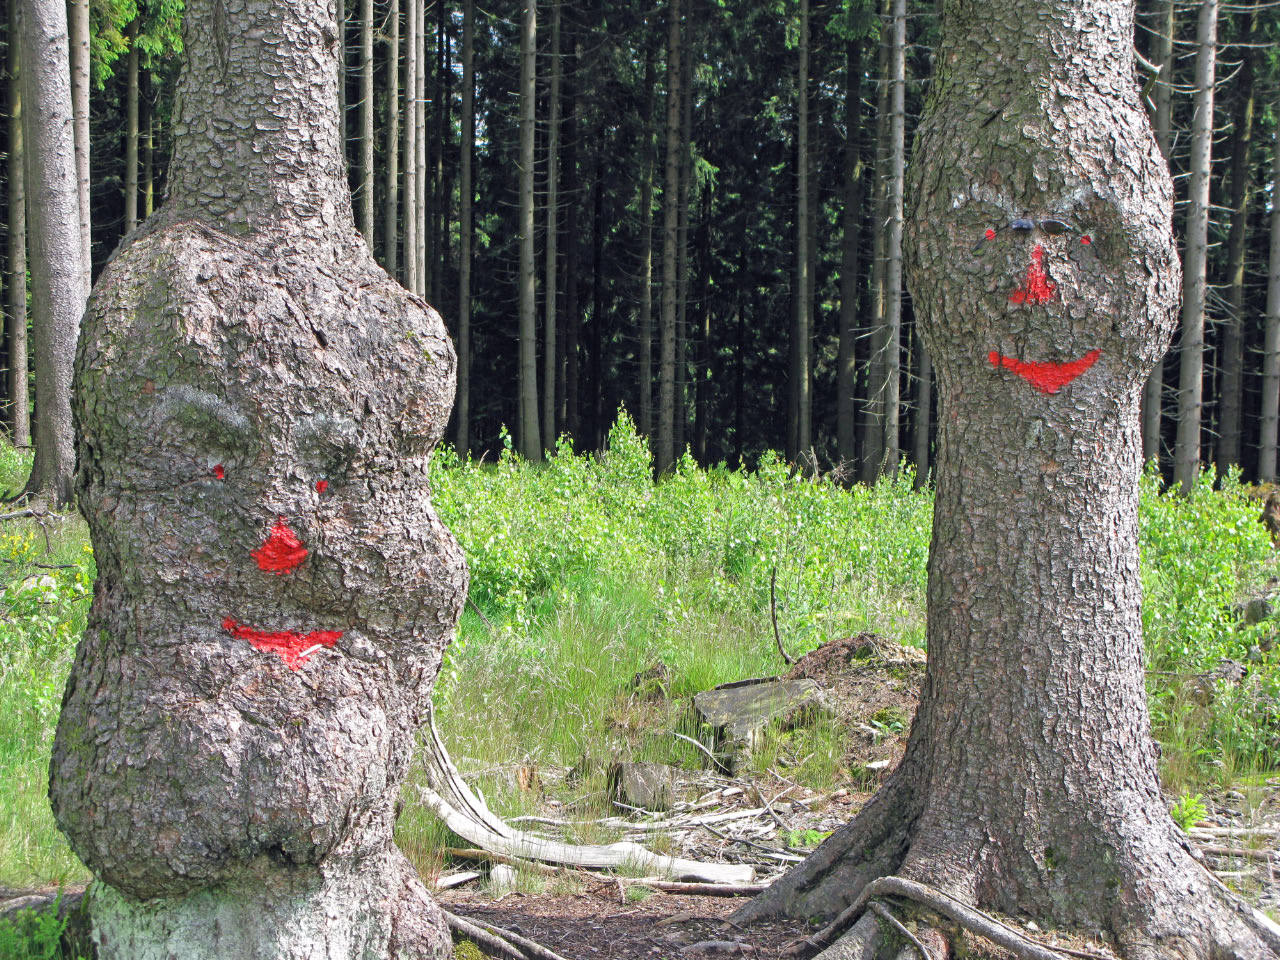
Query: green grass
(586, 573)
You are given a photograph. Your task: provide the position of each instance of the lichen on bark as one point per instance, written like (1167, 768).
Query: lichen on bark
(245, 367)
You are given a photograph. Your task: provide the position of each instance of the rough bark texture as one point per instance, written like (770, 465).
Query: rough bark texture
(257, 402)
(19, 406)
(1194, 288)
(59, 279)
(1029, 785)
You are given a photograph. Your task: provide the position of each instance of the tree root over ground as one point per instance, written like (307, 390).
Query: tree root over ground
(889, 863)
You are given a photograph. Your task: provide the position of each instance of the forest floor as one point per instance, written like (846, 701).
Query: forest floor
(872, 685)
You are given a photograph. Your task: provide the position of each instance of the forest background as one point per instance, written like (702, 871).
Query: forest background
(705, 234)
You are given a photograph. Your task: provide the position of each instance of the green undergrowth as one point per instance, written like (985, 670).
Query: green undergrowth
(601, 601)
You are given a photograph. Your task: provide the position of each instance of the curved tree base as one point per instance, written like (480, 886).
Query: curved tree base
(880, 869)
(277, 914)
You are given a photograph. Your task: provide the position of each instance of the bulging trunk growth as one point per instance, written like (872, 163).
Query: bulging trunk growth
(256, 402)
(1044, 277)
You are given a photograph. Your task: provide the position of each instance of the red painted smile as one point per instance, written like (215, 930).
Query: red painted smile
(1046, 377)
(291, 647)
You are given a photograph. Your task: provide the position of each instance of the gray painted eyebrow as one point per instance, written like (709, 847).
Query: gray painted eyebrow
(185, 397)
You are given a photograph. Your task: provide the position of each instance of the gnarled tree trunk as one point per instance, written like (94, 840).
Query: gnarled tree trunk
(257, 402)
(1044, 277)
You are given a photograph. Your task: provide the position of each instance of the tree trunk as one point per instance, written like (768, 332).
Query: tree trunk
(1191, 372)
(1231, 399)
(530, 444)
(680, 426)
(646, 252)
(572, 311)
(550, 285)
(851, 221)
(421, 160)
(78, 24)
(366, 121)
(893, 267)
(1271, 346)
(800, 430)
(466, 191)
(148, 153)
(664, 455)
(1029, 785)
(873, 418)
(1162, 51)
(924, 401)
(391, 210)
(19, 401)
(444, 127)
(131, 133)
(257, 402)
(58, 279)
(412, 18)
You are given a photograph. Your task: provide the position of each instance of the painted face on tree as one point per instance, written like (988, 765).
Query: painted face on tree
(258, 497)
(1049, 288)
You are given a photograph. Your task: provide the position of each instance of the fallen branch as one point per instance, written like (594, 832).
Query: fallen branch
(38, 512)
(482, 937)
(488, 856)
(463, 812)
(773, 614)
(456, 879)
(1217, 850)
(701, 746)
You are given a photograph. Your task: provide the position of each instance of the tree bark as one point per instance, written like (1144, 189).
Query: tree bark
(850, 249)
(892, 347)
(131, 132)
(391, 209)
(366, 121)
(1231, 399)
(873, 417)
(800, 424)
(59, 282)
(664, 455)
(465, 225)
(19, 402)
(148, 154)
(421, 160)
(1029, 785)
(530, 444)
(572, 310)
(679, 427)
(646, 252)
(1191, 368)
(1271, 344)
(1162, 50)
(921, 444)
(412, 279)
(550, 284)
(257, 403)
(78, 25)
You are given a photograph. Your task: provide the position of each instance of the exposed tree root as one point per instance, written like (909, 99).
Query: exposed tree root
(496, 938)
(885, 914)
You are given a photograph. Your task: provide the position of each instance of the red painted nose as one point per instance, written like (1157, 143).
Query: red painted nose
(281, 552)
(1037, 287)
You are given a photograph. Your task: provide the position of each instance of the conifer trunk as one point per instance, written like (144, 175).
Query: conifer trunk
(256, 402)
(1029, 786)
(1271, 345)
(131, 132)
(646, 252)
(19, 403)
(664, 455)
(1196, 259)
(465, 226)
(550, 283)
(530, 443)
(850, 250)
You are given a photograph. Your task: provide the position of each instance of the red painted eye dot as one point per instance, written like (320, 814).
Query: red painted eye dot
(322, 486)
(990, 234)
(1086, 241)
(219, 473)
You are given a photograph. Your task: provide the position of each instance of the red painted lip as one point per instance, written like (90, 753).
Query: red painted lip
(293, 648)
(1046, 377)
